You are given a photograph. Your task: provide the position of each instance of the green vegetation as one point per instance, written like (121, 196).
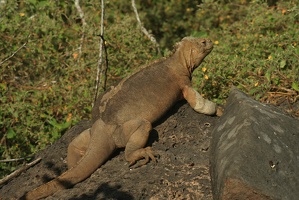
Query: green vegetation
(47, 85)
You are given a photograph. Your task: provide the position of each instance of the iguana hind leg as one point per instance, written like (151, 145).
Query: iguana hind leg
(138, 133)
(100, 147)
(77, 148)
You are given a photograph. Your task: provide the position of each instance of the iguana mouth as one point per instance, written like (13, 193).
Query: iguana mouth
(208, 44)
(210, 48)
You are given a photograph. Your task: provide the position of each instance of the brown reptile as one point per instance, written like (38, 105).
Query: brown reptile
(124, 114)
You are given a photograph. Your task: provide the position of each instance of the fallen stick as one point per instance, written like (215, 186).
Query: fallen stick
(18, 171)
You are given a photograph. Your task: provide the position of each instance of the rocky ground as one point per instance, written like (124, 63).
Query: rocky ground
(181, 139)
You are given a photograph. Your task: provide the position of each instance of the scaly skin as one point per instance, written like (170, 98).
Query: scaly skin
(124, 114)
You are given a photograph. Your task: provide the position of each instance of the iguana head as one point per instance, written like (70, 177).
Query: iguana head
(193, 51)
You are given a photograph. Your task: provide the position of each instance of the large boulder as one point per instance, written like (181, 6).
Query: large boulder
(254, 152)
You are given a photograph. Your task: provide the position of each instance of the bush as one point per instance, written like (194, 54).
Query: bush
(46, 87)
(255, 49)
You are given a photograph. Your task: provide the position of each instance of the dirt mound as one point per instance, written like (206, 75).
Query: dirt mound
(182, 140)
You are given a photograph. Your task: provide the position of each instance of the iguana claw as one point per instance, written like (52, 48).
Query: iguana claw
(146, 153)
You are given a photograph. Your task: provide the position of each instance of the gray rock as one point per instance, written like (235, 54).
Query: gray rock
(254, 152)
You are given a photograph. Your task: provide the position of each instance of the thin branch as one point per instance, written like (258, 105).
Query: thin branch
(143, 29)
(81, 13)
(17, 172)
(14, 159)
(103, 74)
(101, 71)
(14, 53)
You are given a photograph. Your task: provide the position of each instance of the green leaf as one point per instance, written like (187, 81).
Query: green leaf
(54, 123)
(199, 34)
(32, 1)
(282, 64)
(268, 76)
(3, 87)
(10, 134)
(58, 126)
(295, 86)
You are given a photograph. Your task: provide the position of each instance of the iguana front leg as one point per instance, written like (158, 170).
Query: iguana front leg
(197, 102)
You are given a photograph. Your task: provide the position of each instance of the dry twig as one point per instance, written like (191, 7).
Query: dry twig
(101, 77)
(17, 172)
(143, 29)
(14, 53)
(14, 159)
(81, 13)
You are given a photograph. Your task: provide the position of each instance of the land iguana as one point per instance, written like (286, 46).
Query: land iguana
(124, 114)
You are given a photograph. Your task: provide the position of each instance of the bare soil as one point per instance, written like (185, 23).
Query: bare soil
(182, 140)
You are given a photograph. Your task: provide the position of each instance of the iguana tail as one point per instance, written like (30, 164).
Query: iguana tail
(100, 148)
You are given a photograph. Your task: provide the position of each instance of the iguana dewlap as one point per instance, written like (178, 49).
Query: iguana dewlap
(124, 114)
